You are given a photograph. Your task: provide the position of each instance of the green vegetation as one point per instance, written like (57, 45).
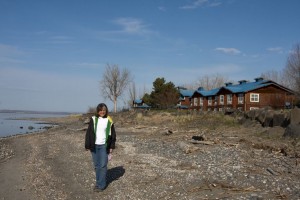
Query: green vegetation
(164, 95)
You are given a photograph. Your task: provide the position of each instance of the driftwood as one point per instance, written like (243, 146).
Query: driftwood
(210, 143)
(186, 147)
(167, 132)
(231, 144)
(141, 127)
(271, 171)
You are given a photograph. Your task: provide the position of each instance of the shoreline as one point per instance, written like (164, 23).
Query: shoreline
(19, 125)
(41, 128)
(36, 112)
(39, 131)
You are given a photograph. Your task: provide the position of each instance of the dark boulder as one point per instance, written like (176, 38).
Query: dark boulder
(260, 116)
(295, 116)
(292, 130)
(251, 114)
(280, 119)
(268, 122)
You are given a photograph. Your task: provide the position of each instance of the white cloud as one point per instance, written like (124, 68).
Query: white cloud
(161, 8)
(201, 3)
(275, 49)
(230, 51)
(214, 4)
(9, 50)
(129, 27)
(132, 25)
(195, 4)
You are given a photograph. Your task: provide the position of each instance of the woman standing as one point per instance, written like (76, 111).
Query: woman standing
(100, 139)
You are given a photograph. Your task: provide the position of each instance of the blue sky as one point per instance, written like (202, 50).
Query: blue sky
(52, 53)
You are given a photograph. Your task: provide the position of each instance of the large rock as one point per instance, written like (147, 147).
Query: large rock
(268, 117)
(280, 119)
(268, 122)
(295, 116)
(187, 148)
(260, 116)
(251, 114)
(293, 130)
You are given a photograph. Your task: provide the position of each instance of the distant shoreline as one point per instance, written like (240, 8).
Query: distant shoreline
(15, 122)
(36, 112)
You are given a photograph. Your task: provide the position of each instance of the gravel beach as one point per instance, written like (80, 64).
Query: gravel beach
(158, 156)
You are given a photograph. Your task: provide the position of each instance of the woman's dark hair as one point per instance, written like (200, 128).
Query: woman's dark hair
(100, 107)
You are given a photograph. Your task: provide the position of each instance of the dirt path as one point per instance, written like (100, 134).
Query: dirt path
(12, 171)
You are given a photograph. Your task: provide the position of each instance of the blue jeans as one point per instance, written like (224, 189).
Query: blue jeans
(100, 162)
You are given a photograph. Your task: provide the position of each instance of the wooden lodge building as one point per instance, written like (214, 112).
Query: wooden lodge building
(185, 98)
(243, 96)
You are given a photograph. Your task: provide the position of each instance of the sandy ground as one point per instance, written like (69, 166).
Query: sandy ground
(154, 159)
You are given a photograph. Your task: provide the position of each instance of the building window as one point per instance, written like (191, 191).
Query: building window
(229, 98)
(209, 101)
(201, 101)
(254, 97)
(221, 99)
(195, 101)
(240, 98)
(216, 100)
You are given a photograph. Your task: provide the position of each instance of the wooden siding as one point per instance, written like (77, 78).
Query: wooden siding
(269, 96)
(185, 102)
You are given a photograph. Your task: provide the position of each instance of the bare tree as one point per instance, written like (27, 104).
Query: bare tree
(144, 91)
(292, 69)
(132, 93)
(272, 75)
(211, 82)
(114, 82)
(278, 77)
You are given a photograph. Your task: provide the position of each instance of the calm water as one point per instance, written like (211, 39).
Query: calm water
(10, 125)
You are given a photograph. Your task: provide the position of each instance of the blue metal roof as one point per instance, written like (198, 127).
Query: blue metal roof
(242, 87)
(206, 93)
(248, 86)
(238, 88)
(138, 101)
(186, 93)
